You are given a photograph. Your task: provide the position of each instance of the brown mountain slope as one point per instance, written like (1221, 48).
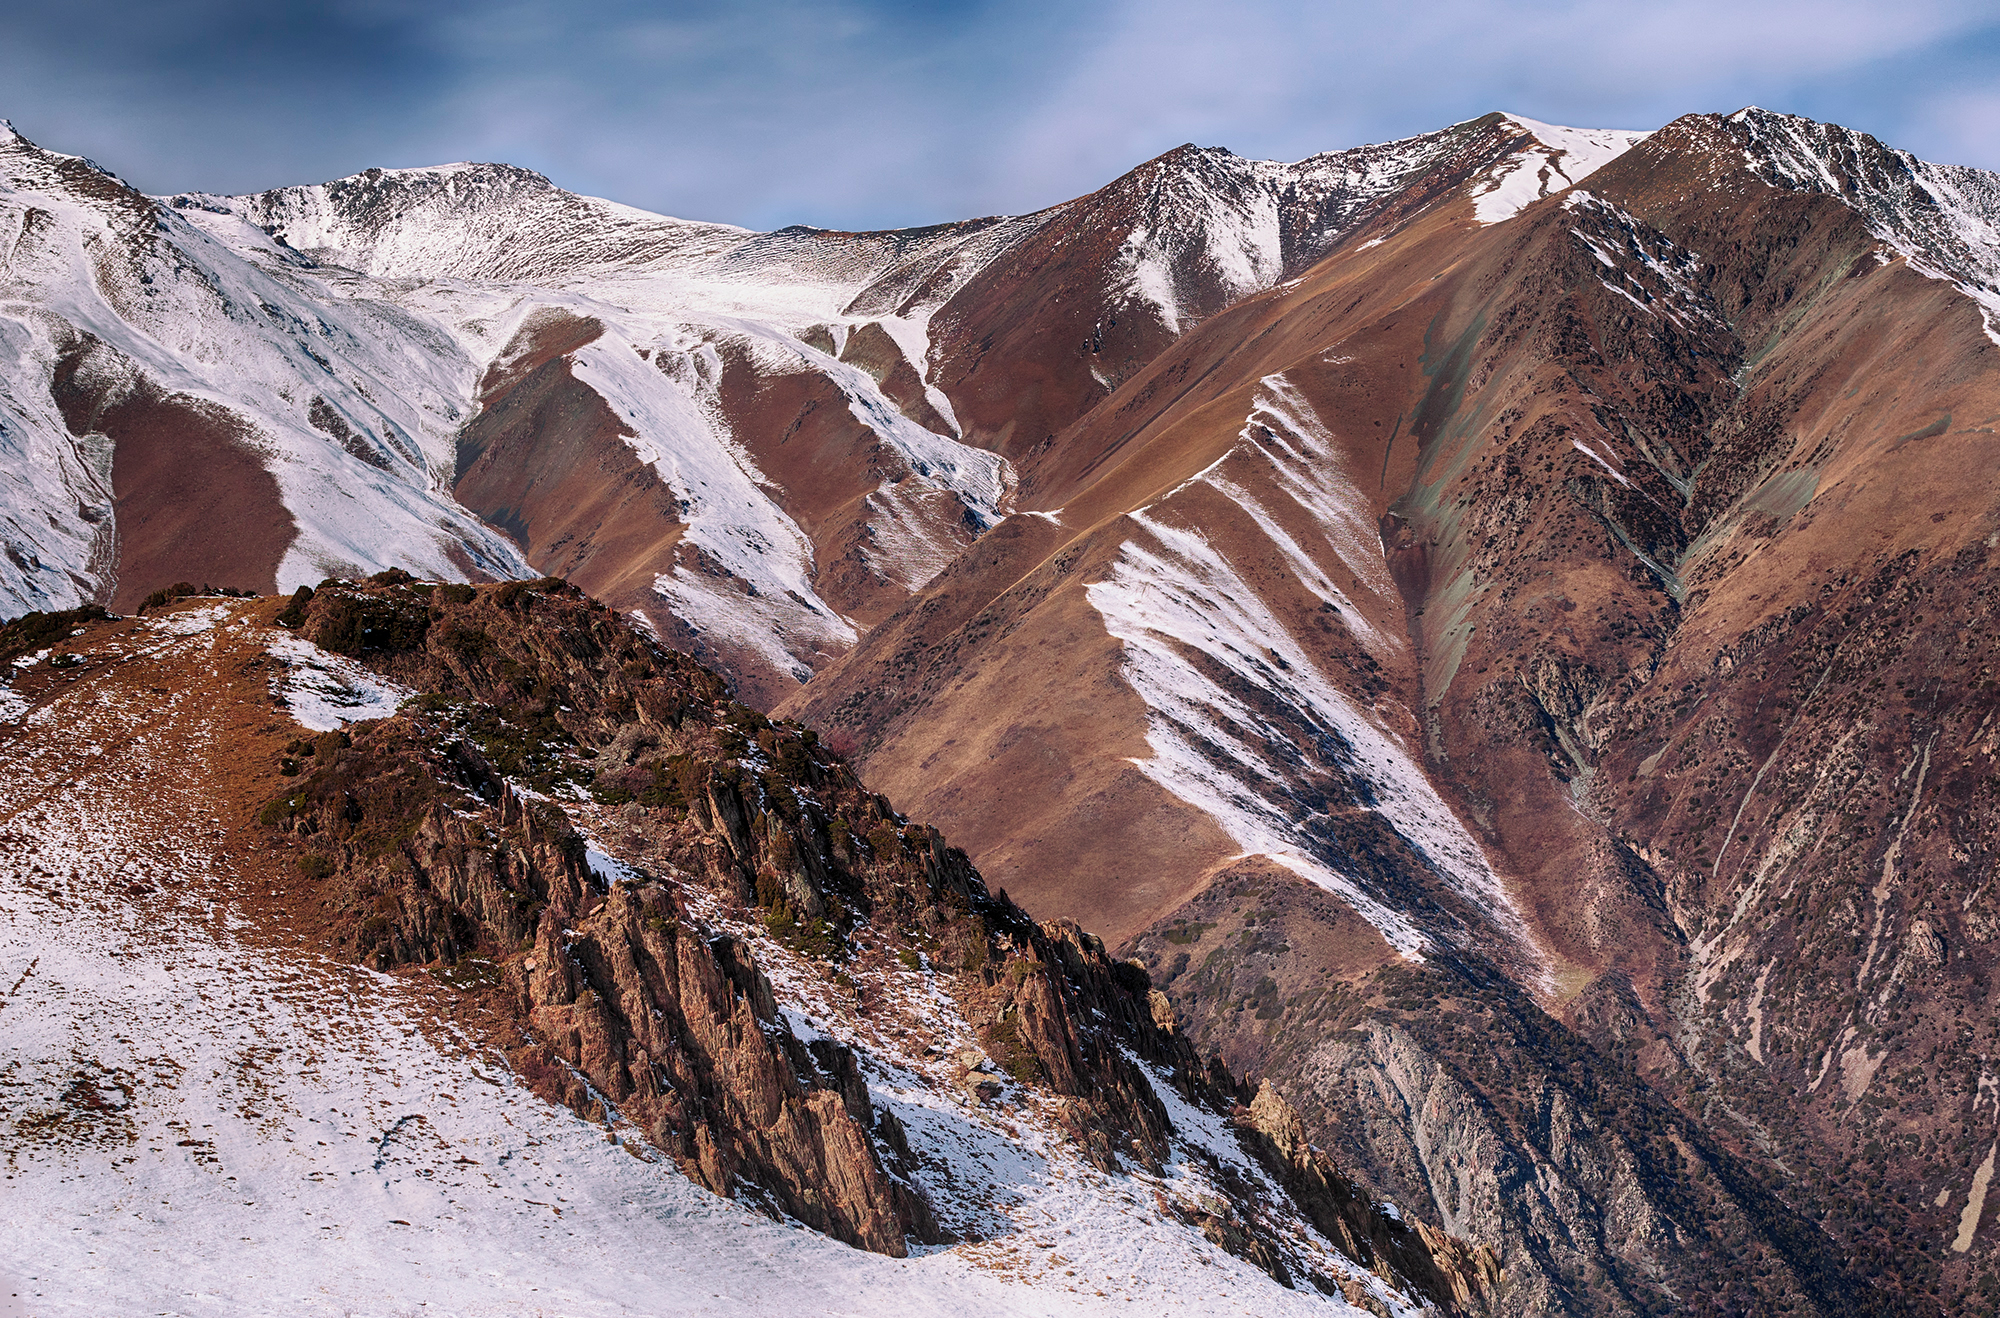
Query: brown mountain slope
(1017, 328)
(1646, 461)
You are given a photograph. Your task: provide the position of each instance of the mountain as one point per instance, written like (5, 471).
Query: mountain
(753, 440)
(1494, 622)
(1566, 600)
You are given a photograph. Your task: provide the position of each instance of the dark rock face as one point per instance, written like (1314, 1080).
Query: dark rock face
(630, 997)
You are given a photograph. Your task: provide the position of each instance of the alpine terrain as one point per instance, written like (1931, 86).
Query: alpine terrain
(1413, 731)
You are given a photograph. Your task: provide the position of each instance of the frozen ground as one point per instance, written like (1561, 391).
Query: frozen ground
(327, 691)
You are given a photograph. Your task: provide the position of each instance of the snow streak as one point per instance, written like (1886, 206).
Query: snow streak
(1559, 158)
(1242, 716)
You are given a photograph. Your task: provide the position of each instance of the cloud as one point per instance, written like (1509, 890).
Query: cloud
(858, 113)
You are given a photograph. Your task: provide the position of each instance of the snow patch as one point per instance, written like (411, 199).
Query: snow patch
(1591, 453)
(608, 868)
(1559, 158)
(1199, 641)
(326, 692)
(188, 622)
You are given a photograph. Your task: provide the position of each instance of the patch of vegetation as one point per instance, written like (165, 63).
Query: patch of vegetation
(372, 795)
(39, 631)
(180, 590)
(351, 623)
(467, 973)
(976, 937)
(470, 644)
(1020, 968)
(885, 841)
(527, 745)
(510, 594)
(1015, 1057)
(293, 615)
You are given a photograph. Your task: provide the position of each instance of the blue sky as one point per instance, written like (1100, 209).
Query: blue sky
(850, 114)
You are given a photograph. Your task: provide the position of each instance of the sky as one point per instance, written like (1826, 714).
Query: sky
(878, 113)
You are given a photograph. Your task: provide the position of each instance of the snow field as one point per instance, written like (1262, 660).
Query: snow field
(218, 314)
(1560, 158)
(325, 692)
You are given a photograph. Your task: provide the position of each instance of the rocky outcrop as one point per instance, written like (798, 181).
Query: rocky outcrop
(1442, 1265)
(635, 1002)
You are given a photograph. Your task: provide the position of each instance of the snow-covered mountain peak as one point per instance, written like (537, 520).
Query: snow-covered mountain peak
(1559, 158)
(1945, 219)
(27, 166)
(1200, 216)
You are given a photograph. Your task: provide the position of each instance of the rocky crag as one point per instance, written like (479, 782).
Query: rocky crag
(442, 836)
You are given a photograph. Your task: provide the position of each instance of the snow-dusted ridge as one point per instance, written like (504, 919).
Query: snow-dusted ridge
(345, 328)
(1944, 219)
(1238, 705)
(141, 292)
(671, 294)
(201, 1118)
(1560, 158)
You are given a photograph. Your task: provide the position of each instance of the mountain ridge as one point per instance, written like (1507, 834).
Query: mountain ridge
(1431, 603)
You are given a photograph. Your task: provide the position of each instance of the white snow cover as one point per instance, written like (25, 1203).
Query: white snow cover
(1225, 219)
(236, 323)
(326, 691)
(1014, 1176)
(195, 1120)
(188, 621)
(1944, 219)
(1560, 158)
(353, 386)
(672, 296)
(1194, 628)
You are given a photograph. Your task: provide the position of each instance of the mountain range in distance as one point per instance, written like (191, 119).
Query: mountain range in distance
(1477, 646)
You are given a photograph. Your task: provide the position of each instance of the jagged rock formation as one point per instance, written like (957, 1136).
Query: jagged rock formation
(632, 1000)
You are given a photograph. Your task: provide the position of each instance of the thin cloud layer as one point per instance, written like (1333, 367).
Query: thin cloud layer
(851, 114)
